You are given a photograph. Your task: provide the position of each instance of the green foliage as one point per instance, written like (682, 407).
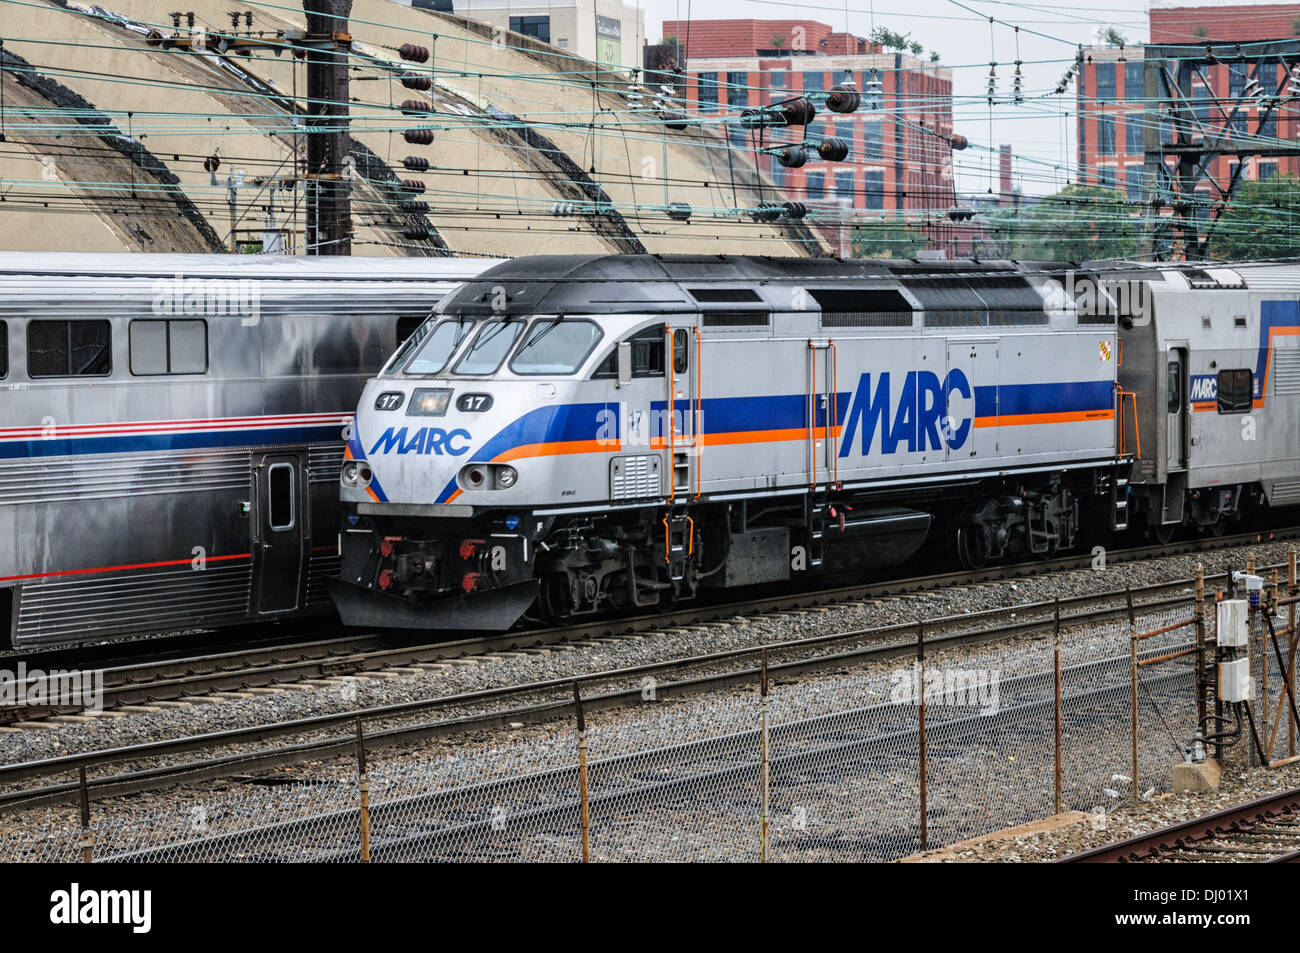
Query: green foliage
(1111, 36)
(885, 239)
(916, 48)
(889, 39)
(1260, 222)
(934, 56)
(1079, 223)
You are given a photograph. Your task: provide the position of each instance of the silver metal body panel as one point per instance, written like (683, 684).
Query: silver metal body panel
(135, 504)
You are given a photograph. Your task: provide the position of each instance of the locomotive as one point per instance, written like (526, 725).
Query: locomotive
(572, 435)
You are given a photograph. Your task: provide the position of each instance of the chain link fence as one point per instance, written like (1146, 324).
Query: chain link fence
(846, 767)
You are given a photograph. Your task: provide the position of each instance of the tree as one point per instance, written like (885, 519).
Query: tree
(916, 48)
(1111, 36)
(1079, 223)
(934, 56)
(1260, 222)
(889, 39)
(778, 41)
(887, 239)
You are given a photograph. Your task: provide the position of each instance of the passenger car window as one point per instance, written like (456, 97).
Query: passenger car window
(168, 347)
(556, 346)
(435, 347)
(4, 349)
(1175, 387)
(490, 347)
(1235, 391)
(69, 349)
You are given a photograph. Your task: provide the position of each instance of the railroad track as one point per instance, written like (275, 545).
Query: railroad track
(330, 735)
(1266, 830)
(264, 665)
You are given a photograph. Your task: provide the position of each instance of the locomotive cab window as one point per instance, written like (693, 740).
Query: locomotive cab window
(1175, 387)
(433, 346)
(647, 355)
(1235, 391)
(168, 347)
(494, 341)
(69, 349)
(556, 346)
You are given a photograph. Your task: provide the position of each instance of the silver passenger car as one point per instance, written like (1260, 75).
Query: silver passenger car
(171, 434)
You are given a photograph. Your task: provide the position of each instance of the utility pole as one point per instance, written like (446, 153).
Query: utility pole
(328, 173)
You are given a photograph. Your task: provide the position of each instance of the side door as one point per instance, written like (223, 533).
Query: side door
(281, 535)
(970, 391)
(679, 428)
(1176, 407)
(822, 414)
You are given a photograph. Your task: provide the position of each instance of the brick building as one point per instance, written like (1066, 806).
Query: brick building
(1112, 113)
(900, 156)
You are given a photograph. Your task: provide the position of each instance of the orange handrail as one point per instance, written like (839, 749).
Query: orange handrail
(697, 437)
(812, 415)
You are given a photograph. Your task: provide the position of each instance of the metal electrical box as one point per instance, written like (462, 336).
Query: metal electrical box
(1235, 684)
(1233, 624)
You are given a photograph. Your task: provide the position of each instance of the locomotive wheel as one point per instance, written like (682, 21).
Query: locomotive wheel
(971, 551)
(1218, 527)
(1164, 534)
(555, 600)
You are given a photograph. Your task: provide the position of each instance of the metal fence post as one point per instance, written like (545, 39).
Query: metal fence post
(1198, 613)
(363, 777)
(583, 805)
(87, 841)
(1133, 684)
(920, 661)
(764, 766)
(1291, 642)
(1056, 682)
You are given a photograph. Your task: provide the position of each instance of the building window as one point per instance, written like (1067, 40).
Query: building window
(69, 349)
(873, 140)
(737, 89)
(844, 185)
(539, 28)
(814, 186)
(1106, 177)
(814, 81)
(1268, 128)
(1237, 80)
(1106, 81)
(708, 91)
(874, 192)
(1134, 83)
(168, 347)
(1267, 170)
(1133, 144)
(777, 83)
(1105, 135)
(1201, 101)
(1235, 395)
(1133, 182)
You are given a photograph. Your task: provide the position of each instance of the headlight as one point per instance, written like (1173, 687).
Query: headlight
(506, 477)
(488, 476)
(356, 474)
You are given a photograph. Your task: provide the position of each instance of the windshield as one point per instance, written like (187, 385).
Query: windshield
(437, 346)
(556, 346)
(490, 347)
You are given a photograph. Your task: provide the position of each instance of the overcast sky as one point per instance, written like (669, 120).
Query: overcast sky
(1042, 137)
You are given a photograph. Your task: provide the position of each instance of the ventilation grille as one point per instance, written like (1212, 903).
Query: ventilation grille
(862, 319)
(633, 478)
(724, 295)
(1285, 493)
(1286, 372)
(1097, 320)
(738, 319)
